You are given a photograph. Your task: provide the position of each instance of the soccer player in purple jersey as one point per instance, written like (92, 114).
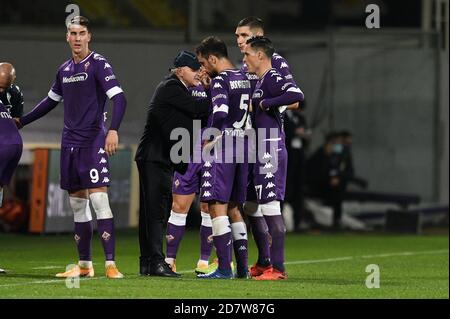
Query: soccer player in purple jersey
(224, 184)
(184, 188)
(10, 149)
(247, 28)
(84, 83)
(270, 98)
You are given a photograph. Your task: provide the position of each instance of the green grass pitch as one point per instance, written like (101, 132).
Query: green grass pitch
(319, 266)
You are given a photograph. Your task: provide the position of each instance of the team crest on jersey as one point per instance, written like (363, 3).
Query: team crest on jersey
(169, 238)
(177, 183)
(77, 238)
(86, 66)
(106, 236)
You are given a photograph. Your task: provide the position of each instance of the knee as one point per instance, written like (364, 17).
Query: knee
(100, 203)
(180, 207)
(204, 207)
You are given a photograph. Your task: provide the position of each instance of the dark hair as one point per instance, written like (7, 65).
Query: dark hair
(252, 23)
(262, 43)
(79, 20)
(346, 134)
(212, 46)
(331, 136)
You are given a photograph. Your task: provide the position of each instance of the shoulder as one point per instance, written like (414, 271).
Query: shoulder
(65, 66)
(14, 90)
(100, 61)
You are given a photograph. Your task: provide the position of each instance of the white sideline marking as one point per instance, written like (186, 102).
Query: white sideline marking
(46, 267)
(311, 261)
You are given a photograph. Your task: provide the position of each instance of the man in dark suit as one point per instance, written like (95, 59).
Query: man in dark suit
(171, 107)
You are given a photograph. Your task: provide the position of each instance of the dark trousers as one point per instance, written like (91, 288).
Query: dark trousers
(155, 199)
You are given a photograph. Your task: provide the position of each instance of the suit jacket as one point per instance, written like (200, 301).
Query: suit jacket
(171, 106)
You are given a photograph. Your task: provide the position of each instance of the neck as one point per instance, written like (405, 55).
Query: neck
(78, 57)
(263, 68)
(224, 64)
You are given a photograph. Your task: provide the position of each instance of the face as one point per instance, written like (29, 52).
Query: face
(243, 34)
(4, 83)
(188, 76)
(208, 64)
(78, 38)
(251, 58)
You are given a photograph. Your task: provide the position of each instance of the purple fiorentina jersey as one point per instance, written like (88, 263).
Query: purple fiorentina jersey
(278, 63)
(272, 84)
(230, 96)
(9, 134)
(84, 87)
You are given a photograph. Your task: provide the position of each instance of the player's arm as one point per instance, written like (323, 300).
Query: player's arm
(220, 101)
(284, 93)
(281, 65)
(110, 85)
(112, 138)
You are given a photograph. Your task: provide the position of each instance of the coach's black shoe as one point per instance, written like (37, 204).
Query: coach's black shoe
(162, 269)
(144, 266)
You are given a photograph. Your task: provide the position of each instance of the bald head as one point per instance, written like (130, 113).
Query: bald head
(7, 75)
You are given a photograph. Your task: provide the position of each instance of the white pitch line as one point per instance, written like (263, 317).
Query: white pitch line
(46, 267)
(311, 261)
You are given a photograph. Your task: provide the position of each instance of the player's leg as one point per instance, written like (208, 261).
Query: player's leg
(206, 242)
(79, 204)
(277, 230)
(184, 188)
(105, 227)
(92, 167)
(240, 240)
(222, 239)
(272, 192)
(177, 225)
(260, 232)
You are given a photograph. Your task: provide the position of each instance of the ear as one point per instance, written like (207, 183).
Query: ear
(212, 59)
(260, 55)
(67, 36)
(89, 37)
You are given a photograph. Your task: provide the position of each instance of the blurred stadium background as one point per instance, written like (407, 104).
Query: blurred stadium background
(388, 86)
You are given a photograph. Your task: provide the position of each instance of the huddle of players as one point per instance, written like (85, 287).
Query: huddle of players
(258, 93)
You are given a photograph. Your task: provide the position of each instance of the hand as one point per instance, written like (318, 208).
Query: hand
(208, 145)
(204, 78)
(17, 122)
(261, 105)
(111, 142)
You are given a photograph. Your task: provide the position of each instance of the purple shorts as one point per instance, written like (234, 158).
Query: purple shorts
(189, 183)
(269, 177)
(224, 182)
(84, 168)
(9, 159)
